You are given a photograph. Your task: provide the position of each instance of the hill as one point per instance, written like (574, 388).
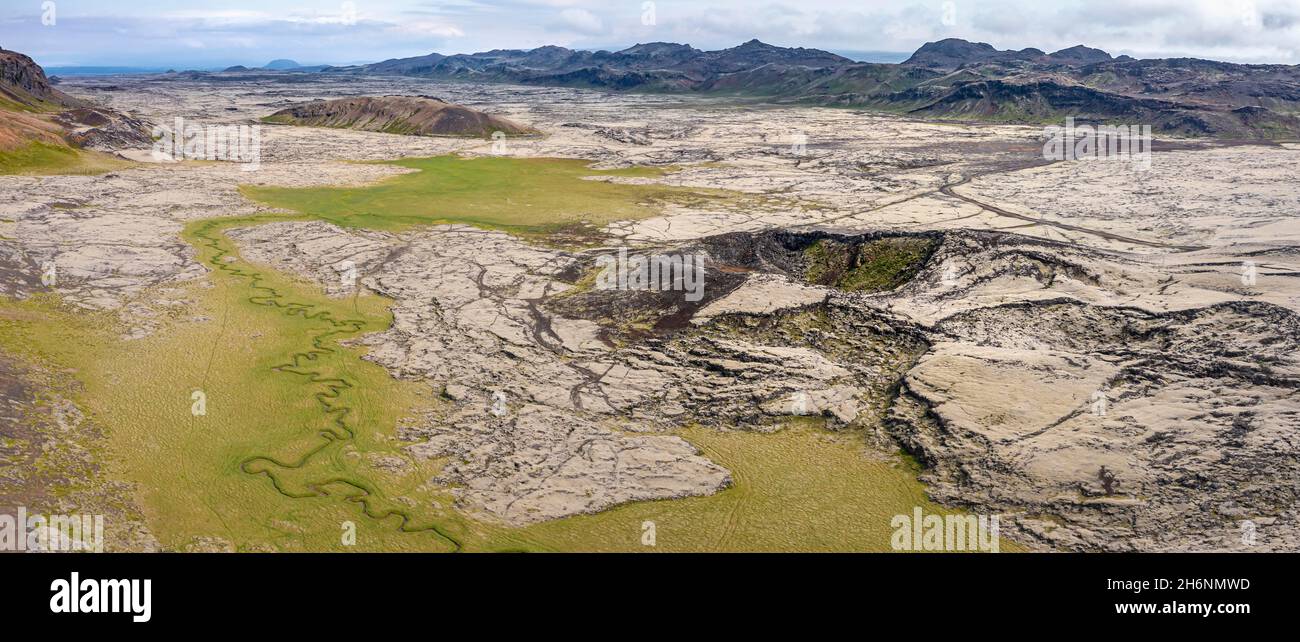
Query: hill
(43, 130)
(410, 115)
(282, 63)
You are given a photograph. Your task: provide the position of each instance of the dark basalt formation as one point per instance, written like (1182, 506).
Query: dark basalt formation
(23, 83)
(867, 263)
(410, 115)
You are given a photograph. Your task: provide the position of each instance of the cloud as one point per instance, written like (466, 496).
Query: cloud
(429, 28)
(244, 31)
(583, 21)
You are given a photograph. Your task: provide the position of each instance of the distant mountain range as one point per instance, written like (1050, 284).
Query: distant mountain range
(280, 64)
(83, 70)
(950, 78)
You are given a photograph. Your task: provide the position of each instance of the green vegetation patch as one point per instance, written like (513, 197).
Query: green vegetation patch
(297, 437)
(530, 196)
(803, 488)
(25, 102)
(44, 158)
(869, 266)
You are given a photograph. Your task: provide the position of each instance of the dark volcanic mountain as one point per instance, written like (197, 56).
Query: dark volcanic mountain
(278, 65)
(950, 78)
(650, 66)
(282, 63)
(953, 53)
(1080, 55)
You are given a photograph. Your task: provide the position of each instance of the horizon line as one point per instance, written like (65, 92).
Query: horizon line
(217, 66)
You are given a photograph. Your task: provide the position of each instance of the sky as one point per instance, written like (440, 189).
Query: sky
(217, 33)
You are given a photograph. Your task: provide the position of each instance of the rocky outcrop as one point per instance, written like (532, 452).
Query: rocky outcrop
(22, 81)
(104, 129)
(1112, 429)
(533, 462)
(26, 99)
(1090, 425)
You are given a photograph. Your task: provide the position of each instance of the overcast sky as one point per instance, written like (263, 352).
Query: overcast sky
(180, 33)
